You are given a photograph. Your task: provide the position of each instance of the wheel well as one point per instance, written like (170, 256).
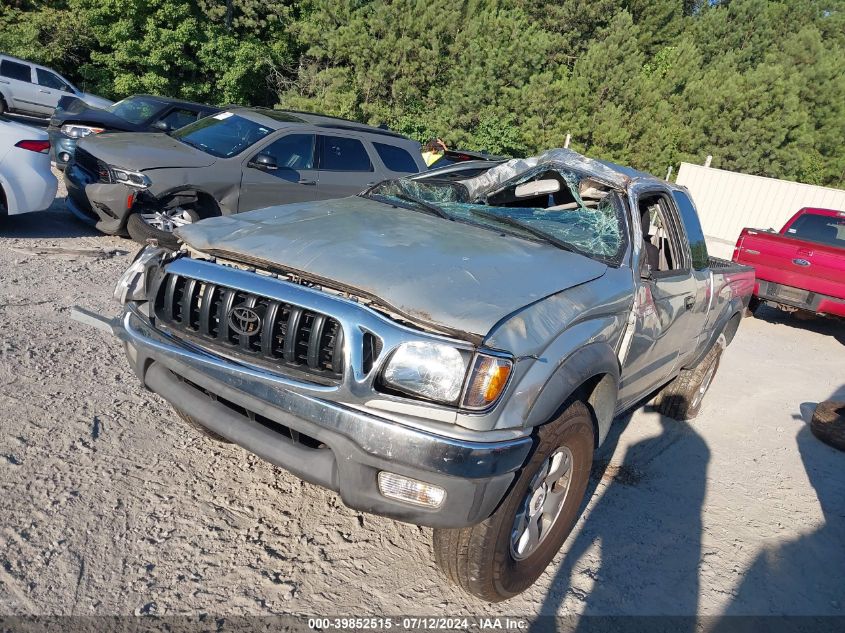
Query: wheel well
(599, 393)
(732, 326)
(204, 204)
(3, 201)
(207, 206)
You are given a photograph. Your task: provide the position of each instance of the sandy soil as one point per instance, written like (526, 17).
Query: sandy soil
(110, 505)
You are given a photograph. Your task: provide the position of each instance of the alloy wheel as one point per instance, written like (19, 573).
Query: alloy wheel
(542, 504)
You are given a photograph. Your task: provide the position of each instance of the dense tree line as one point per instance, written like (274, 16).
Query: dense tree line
(758, 84)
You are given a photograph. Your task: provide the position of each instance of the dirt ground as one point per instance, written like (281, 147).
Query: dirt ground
(110, 505)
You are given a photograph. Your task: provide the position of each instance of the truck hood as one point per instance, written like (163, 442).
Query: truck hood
(446, 275)
(142, 151)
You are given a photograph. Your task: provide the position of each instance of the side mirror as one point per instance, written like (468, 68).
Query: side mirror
(161, 125)
(265, 162)
(536, 188)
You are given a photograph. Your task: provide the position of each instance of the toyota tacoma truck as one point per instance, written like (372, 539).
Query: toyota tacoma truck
(444, 352)
(801, 268)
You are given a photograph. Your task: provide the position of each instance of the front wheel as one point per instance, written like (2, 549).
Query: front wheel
(159, 225)
(506, 553)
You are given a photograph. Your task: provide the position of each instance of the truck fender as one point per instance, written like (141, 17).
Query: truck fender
(723, 332)
(593, 368)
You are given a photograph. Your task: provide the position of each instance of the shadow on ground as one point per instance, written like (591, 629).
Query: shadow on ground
(804, 576)
(827, 326)
(647, 524)
(55, 223)
(648, 528)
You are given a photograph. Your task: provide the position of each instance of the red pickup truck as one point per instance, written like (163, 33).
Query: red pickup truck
(803, 266)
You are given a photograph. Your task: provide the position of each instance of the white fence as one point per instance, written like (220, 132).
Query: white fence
(727, 201)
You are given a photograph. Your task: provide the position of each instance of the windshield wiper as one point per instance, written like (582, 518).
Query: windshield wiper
(524, 226)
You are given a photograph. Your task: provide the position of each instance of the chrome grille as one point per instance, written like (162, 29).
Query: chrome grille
(286, 335)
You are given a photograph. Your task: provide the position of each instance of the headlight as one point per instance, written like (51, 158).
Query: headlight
(79, 131)
(132, 178)
(436, 371)
(132, 284)
(431, 370)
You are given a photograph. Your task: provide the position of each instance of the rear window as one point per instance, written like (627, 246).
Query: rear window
(823, 229)
(222, 135)
(396, 158)
(14, 70)
(339, 153)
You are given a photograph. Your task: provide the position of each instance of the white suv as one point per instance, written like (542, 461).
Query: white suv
(27, 88)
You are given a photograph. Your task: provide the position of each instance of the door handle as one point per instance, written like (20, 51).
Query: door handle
(45, 91)
(307, 182)
(689, 302)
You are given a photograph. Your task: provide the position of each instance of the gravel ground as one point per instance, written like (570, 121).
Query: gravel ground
(110, 505)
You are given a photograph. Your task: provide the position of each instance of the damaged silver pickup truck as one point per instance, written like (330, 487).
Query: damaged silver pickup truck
(444, 352)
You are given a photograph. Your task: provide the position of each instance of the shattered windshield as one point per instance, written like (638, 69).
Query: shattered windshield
(561, 208)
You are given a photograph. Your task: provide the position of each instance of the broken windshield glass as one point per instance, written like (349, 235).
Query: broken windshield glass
(566, 209)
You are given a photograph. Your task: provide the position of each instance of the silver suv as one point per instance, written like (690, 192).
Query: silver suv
(27, 88)
(233, 161)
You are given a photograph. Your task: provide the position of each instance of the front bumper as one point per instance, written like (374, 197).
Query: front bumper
(345, 448)
(106, 205)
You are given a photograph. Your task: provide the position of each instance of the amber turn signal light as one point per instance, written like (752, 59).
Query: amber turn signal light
(487, 381)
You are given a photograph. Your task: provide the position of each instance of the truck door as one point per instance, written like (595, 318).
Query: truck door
(293, 178)
(670, 303)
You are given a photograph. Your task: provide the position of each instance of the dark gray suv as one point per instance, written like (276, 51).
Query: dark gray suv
(241, 159)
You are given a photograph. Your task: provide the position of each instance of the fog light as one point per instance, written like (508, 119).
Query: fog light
(65, 157)
(419, 493)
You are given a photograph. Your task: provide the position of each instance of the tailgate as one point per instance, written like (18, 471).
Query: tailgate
(795, 263)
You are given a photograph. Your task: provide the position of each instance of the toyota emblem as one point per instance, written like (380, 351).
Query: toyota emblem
(245, 321)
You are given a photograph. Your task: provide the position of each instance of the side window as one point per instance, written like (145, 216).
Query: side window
(14, 70)
(662, 250)
(294, 151)
(338, 153)
(179, 117)
(396, 158)
(49, 80)
(689, 216)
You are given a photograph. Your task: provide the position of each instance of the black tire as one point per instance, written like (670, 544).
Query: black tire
(199, 427)
(828, 423)
(140, 231)
(3, 106)
(480, 559)
(681, 399)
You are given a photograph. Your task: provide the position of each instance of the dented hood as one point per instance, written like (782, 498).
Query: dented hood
(444, 274)
(142, 151)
